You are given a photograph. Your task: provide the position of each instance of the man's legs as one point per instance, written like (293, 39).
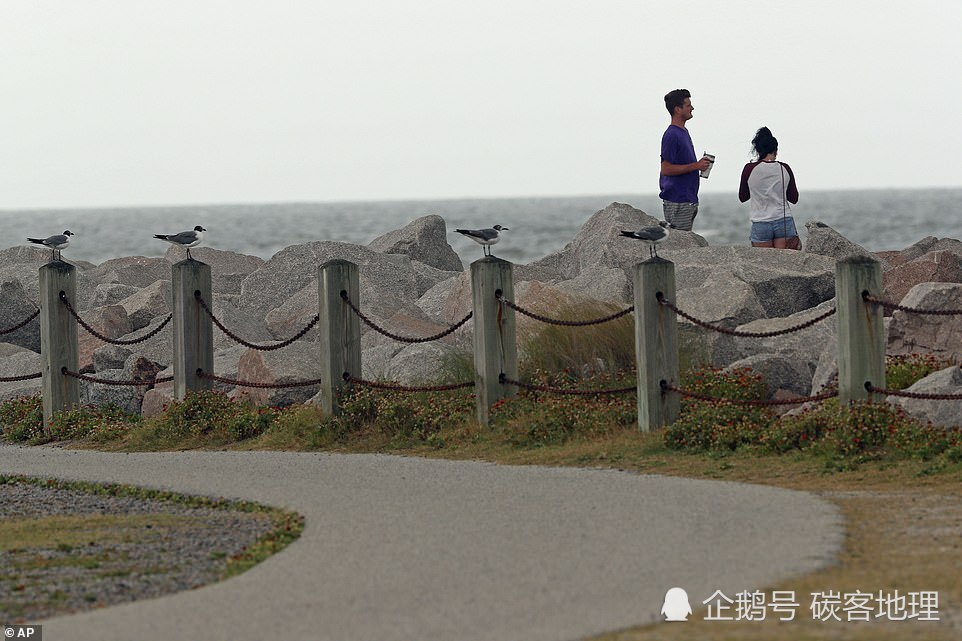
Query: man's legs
(680, 215)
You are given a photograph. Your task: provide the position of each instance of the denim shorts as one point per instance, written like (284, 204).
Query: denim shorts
(768, 230)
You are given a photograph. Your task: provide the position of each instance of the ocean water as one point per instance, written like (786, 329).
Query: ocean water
(876, 219)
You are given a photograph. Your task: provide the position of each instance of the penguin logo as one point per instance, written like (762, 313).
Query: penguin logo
(676, 607)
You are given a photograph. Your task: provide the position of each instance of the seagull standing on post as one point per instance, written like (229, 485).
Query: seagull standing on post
(186, 239)
(651, 236)
(55, 243)
(484, 237)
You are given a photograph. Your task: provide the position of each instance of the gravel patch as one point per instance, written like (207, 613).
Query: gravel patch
(171, 547)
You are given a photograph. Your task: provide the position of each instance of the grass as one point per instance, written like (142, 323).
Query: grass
(897, 482)
(79, 545)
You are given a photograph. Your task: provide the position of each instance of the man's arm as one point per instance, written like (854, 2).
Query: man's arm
(668, 169)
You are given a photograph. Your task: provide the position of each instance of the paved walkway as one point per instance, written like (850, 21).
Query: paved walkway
(405, 548)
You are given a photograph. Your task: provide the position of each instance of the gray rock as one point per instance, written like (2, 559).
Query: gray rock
(606, 284)
(110, 321)
(825, 241)
(448, 301)
(931, 244)
(15, 307)
(938, 412)
(600, 244)
(282, 366)
(112, 293)
(424, 240)
(426, 277)
(783, 282)
(779, 373)
(387, 280)
(127, 397)
(110, 357)
(228, 269)
(18, 361)
(136, 271)
(147, 304)
(417, 364)
(240, 322)
(920, 333)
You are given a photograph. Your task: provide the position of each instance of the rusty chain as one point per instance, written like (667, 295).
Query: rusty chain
(917, 395)
(731, 332)
(504, 380)
(394, 387)
(868, 298)
(669, 387)
(230, 381)
(238, 339)
(557, 321)
(25, 377)
(112, 341)
(402, 339)
(22, 324)
(104, 381)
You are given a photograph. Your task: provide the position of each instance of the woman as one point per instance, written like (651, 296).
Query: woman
(770, 185)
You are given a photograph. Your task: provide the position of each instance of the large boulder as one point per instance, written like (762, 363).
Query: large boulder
(922, 333)
(16, 307)
(947, 413)
(278, 367)
(110, 321)
(387, 281)
(147, 304)
(18, 361)
(600, 244)
(825, 241)
(941, 266)
(781, 282)
(423, 240)
(112, 293)
(228, 269)
(136, 271)
(779, 373)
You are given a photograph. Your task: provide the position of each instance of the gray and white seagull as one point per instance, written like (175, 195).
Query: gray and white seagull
(484, 237)
(55, 243)
(186, 239)
(652, 236)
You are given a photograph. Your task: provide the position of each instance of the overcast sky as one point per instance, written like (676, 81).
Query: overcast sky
(139, 102)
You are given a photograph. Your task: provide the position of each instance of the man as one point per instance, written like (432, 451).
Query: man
(679, 165)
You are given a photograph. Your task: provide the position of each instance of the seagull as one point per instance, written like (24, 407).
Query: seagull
(185, 239)
(55, 243)
(652, 236)
(484, 237)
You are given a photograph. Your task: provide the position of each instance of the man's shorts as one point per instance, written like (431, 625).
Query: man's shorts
(767, 230)
(681, 215)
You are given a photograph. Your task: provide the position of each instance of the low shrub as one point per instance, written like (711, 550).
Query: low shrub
(706, 425)
(535, 419)
(903, 371)
(87, 421)
(21, 420)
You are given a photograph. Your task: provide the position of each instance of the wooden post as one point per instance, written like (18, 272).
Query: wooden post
(193, 328)
(861, 334)
(495, 343)
(656, 343)
(58, 339)
(340, 329)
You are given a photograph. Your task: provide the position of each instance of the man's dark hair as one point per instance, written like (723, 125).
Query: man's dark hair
(676, 98)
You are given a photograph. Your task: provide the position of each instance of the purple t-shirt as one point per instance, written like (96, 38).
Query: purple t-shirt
(677, 148)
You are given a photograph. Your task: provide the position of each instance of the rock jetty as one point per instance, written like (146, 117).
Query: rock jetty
(413, 283)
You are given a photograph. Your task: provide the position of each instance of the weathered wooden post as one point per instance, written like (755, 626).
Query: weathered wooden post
(339, 328)
(656, 343)
(861, 334)
(58, 339)
(193, 327)
(495, 342)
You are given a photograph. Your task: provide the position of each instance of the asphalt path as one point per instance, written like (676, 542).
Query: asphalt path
(408, 548)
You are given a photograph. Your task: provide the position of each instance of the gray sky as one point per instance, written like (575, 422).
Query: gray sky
(128, 102)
